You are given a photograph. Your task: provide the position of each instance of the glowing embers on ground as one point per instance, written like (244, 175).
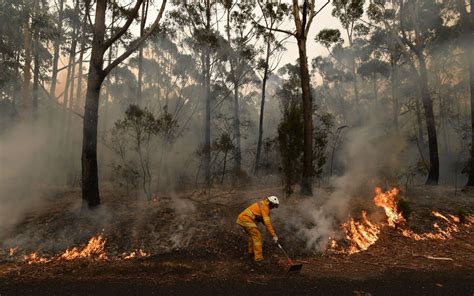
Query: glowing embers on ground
(361, 234)
(94, 250)
(441, 233)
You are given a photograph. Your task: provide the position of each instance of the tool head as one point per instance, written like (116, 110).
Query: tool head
(295, 267)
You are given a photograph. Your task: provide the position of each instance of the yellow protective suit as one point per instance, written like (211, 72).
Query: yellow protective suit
(257, 212)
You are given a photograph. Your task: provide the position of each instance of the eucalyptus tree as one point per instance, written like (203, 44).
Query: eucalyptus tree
(97, 74)
(273, 17)
(243, 49)
(349, 13)
(195, 21)
(418, 26)
(466, 23)
(303, 15)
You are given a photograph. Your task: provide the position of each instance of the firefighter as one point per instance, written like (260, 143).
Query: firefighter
(258, 212)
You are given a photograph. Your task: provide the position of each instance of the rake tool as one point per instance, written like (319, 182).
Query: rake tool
(294, 267)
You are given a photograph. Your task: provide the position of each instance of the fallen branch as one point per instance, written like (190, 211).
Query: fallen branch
(435, 258)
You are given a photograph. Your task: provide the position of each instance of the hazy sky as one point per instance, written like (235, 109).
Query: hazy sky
(322, 21)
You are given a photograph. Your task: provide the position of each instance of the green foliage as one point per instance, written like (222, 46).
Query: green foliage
(133, 139)
(374, 66)
(348, 11)
(290, 138)
(329, 37)
(322, 129)
(223, 144)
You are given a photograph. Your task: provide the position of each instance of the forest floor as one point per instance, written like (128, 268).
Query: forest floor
(195, 248)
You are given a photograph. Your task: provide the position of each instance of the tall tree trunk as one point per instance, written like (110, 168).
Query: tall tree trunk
(36, 70)
(234, 65)
(237, 150)
(355, 84)
(419, 122)
(90, 178)
(78, 100)
(262, 109)
(467, 20)
(433, 173)
(224, 167)
(207, 119)
(375, 91)
(140, 55)
(69, 146)
(394, 86)
(307, 178)
(62, 124)
(207, 94)
(108, 96)
(26, 91)
(56, 52)
(470, 181)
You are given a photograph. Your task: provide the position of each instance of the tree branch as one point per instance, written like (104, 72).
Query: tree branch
(125, 27)
(276, 29)
(138, 42)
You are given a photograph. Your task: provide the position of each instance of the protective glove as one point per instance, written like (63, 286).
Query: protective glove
(275, 239)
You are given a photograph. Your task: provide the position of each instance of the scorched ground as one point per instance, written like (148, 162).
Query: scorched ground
(189, 244)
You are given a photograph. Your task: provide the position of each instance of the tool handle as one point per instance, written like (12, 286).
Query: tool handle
(284, 252)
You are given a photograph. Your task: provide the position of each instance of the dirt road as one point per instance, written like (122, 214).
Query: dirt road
(390, 283)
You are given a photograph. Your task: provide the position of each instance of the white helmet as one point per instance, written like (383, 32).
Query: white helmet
(274, 200)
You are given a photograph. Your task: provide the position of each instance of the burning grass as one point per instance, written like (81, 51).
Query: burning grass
(361, 234)
(94, 250)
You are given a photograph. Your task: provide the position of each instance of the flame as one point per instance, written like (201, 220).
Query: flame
(441, 233)
(388, 201)
(12, 251)
(35, 258)
(361, 234)
(364, 233)
(135, 254)
(95, 248)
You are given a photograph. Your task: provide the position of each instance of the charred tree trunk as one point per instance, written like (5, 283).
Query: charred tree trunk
(90, 178)
(262, 109)
(95, 78)
(433, 173)
(306, 181)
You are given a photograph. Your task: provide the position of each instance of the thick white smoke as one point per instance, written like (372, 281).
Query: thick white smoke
(370, 156)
